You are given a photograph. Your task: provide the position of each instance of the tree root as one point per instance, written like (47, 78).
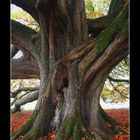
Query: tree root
(25, 128)
(65, 129)
(112, 123)
(31, 135)
(73, 127)
(108, 118)
(102, 135)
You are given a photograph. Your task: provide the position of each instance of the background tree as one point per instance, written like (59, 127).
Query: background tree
(72, 56)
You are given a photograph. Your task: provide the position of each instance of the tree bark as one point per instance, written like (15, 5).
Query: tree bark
(24, 68)
(69, 59)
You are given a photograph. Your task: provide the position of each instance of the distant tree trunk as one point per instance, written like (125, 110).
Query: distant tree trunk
(73, 68)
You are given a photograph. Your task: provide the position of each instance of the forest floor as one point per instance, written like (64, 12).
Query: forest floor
(121, 115)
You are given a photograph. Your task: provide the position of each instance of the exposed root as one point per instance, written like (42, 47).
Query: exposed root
(111, 123)
(25, 128)
(108, 118)
(102, 135)
(65, 129)
(73, 128)
(31, 135)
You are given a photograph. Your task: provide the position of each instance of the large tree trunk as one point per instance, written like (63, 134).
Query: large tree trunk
(73, 68)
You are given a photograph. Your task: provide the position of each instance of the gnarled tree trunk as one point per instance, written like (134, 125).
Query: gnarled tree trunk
(73, 68)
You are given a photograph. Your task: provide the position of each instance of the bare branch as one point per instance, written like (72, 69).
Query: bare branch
(15, 93)
(13, 101)
(118, 80)
(103, 98)
(26, 99)
(24, 68)
(121, 93)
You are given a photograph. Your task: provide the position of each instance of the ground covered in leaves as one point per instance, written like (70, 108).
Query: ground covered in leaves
(121, 115)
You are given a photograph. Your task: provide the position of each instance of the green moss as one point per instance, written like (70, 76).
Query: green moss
(112, 6)
(34, 133)
(69, 127)
(118, 27)
(31, 135)
(74, 128)
(25, 128)
(66, 128)
(76, 131)
(79, 130)
(76, 134)
(124, 29)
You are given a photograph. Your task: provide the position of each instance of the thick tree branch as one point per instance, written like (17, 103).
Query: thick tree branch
(118, 46)
(26, 99)
(30, 97)
(26, 39)
(28, 6)
(15, 93)
(121, 93)
(95, 26)
(118, 80)
(112, 40)
(14, 100)
(24, 68)
(111, 43)
(22, 36)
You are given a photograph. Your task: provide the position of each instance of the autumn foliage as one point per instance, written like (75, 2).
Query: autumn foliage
(18, 119)
(121, 115)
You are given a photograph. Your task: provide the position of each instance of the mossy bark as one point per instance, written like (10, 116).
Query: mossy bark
(73, 128)
(118, 27)
(26, 127)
